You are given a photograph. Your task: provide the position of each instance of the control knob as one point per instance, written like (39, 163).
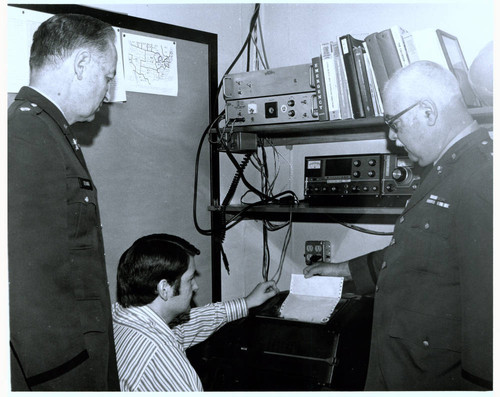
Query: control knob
(399, 174)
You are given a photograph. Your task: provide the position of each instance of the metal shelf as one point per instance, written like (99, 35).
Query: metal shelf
(339, 130)
(304, 212)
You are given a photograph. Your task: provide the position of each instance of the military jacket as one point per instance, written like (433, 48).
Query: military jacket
(432, 326)
(57, 275)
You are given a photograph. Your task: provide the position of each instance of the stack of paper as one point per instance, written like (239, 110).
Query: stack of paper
(312, 300)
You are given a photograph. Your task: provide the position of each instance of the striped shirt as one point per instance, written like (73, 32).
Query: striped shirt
(151, 355)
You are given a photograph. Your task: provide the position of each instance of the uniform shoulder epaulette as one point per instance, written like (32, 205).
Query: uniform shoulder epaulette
(29, 107)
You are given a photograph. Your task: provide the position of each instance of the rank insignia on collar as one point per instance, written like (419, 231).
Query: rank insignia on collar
(75, 143)
(435, 200)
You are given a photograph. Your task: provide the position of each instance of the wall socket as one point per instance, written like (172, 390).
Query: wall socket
(317, 251)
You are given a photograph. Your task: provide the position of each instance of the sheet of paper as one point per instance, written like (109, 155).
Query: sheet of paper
(21, 24)
(312, 299)
(150, 64)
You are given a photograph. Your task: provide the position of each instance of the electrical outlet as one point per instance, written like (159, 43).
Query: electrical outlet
(317, 251)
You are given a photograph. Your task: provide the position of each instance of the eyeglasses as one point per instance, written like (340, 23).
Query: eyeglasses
(389, 120)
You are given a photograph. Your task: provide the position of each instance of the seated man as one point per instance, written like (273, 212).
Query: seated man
(155, 285)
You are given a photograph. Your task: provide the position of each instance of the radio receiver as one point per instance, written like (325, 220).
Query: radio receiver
(268, 82)
(360, 180)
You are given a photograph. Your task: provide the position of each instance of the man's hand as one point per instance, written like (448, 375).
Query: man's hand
(261, 293)
(328, 269)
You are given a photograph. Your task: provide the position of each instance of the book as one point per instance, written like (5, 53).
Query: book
(397, 34)
(346, 45)
(389, 52)
(319, 86)
(330, 77)
(364, 87)
(377, 61)
(411, 49)
(378, 107)
(312, 300)
(344, 95)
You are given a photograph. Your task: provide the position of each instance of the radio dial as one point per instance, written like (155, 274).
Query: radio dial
(399, 174)
(372, 162)
(356, 163)
(371, 173)
(356, 174)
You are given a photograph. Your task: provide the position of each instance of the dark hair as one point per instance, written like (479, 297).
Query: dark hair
(148, 261)
(61, 34)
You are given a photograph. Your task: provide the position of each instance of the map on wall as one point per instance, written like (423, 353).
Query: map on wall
(150, 64)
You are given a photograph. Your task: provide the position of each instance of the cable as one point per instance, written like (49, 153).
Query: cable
(196, 168)
(277, 275)
(245, 44)
(364, 230)
(266, 63)
(359, 228)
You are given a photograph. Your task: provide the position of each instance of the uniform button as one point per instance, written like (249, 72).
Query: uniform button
(34, 105)
(454, 156)
(384, 264)
(425, 343)
(427, 226)
(402, 219)
(376, 288)
(86, 199)
(65, 126)
(439, 169)
(484, 142)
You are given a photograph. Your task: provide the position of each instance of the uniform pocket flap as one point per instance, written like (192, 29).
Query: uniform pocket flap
(427, 330)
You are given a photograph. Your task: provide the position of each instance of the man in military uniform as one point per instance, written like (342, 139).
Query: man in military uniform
(432, 325)
(61, 335)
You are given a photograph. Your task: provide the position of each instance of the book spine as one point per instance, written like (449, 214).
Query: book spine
(397, 33)
(410, 46)
(319, 86)
(374, 89)
(344, 96)
(389, 52)
(364, 87)
(377, 61)
(345, 44)
(332, 93)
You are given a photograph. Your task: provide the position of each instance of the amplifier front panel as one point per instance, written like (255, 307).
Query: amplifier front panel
(272, 110)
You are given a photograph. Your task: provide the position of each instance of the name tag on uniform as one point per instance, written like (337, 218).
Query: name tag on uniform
(85, 184)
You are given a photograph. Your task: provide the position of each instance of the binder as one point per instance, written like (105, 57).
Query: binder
(347, 44)
(389, 52)
(378, 108)
(364, 86)
(377, 60)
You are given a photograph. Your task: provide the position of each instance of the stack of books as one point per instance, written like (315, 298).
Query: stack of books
(350, 73)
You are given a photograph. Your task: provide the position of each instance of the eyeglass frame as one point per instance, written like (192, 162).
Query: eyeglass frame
(389, 121)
